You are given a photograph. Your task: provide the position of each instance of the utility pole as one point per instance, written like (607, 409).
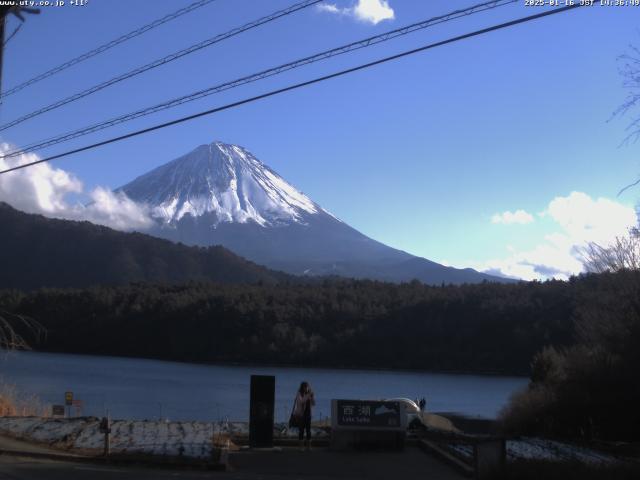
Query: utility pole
(3, 20)
(4, 11)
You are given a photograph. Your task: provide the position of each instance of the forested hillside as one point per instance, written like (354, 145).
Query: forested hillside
(41, 252)
(483, 327)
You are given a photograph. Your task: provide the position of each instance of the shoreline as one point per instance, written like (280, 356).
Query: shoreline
(287, 366)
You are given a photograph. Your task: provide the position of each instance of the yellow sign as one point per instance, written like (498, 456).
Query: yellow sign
(68, 398)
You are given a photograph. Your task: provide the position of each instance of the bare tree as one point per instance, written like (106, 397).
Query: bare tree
(14, 327)
(629, 68)
(622, 254)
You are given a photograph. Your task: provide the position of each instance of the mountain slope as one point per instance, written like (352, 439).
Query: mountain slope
(40, 252)
(221, 194)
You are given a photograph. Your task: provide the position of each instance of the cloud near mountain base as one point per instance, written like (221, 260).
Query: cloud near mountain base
(578, 220)
(47, 190)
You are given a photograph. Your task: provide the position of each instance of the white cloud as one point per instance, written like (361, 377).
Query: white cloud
(578, 219)
(519, 216)
(46, 190)
(369, 11)
(373, 11)
(585, 219)
(329, 7)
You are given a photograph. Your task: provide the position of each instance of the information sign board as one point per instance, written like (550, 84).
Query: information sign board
(371, 414)
(57, 410)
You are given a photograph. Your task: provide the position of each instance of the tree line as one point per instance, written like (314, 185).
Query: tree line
(332, 322)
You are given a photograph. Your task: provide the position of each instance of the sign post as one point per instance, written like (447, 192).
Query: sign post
(78, 406)
(68, 401)
(57, 410)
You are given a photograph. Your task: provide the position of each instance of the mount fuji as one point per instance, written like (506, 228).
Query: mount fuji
(220, 194)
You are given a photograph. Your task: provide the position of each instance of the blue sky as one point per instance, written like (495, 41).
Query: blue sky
(424, 154)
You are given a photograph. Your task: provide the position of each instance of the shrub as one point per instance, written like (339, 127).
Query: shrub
(14, 404)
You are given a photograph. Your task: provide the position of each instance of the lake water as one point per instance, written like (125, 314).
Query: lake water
(151, 389)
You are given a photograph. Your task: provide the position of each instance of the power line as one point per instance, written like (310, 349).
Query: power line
(15, 31)
(299, 85)
(383, 37)
(164, 60)
(107, 46)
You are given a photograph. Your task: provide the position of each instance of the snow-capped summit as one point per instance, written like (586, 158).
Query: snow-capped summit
(224, 180)
(220, 194)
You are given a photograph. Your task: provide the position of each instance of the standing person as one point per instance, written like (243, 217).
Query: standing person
(305, 399)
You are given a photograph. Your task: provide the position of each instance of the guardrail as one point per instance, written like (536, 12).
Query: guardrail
(489, 452)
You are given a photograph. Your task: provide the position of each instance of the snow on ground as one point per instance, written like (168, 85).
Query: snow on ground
(538, 448)
(542, 449)
(191, 439)
(195, 439)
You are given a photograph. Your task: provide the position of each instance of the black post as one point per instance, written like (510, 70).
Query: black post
(2, 23)
(105, 427)
(263, 389)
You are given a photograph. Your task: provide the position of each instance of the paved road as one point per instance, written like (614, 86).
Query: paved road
(17, 468)
(322, 464)
(286, 465)
(8, 443)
